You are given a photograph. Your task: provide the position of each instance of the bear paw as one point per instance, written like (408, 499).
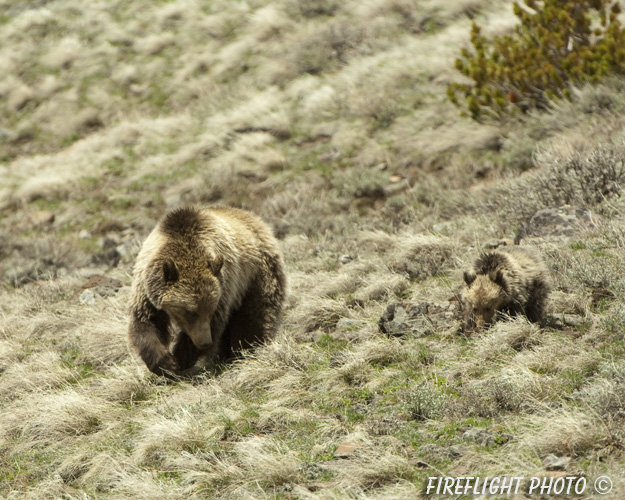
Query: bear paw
(165, 366)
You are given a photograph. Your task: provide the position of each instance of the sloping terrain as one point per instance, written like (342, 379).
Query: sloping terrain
(329, 119)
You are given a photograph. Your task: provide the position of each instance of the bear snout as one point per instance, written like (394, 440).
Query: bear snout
(203, 344)
(201, 337)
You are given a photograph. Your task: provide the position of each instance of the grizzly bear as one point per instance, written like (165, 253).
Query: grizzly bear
(206, 282)
(511, 280)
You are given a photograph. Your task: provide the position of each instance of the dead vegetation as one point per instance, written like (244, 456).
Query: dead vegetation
(329, 120)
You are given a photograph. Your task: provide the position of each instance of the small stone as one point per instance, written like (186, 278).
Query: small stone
(345, 259)
(574, 320)
(101, 285)
(552, 462)
(480, 436)
(346, 449)
(84, 234)
(492, 244)
(457, 451)
(404, 318)
(563, 221)
(87, 297)
(109, 226)
(42, 217)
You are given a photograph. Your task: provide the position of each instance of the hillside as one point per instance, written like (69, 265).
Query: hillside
(329, 119)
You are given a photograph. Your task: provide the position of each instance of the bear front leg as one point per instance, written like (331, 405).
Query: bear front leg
(259, 315)
(185, 352)
(150, 340)
(536, 302)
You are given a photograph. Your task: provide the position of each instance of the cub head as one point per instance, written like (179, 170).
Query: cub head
(484, 295)
(189, 291)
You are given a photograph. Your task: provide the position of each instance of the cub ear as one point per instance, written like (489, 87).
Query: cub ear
(170, 271)
(216, 264)
(469, 277)
(497, 277)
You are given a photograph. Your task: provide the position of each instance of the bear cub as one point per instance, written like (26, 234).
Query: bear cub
(511, 280)
(206, 282)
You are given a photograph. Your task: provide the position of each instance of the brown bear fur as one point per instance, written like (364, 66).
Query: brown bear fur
(207, 282)
(511, 280)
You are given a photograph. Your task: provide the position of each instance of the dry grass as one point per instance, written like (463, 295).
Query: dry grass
(329, 120)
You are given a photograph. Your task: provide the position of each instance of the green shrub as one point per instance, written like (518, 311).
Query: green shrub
(557, 44)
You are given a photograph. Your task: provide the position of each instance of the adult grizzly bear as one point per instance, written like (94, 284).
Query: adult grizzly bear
(512, 280)
(209, 281)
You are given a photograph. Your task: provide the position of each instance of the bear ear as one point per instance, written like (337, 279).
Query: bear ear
(469, 277)
(216, 264)
(170, 271)
(497, 277)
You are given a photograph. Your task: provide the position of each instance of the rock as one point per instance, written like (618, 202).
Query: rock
(480, 436)
(84, 234)
(457, 451)
(557, 221)
(98, 284)
(42, 217)
(345, 259)
(552, 462)
(108, 226)
(404, 318)
(496, 243)
(87, 297)
(574, 320)
(559, 321)
(346, 449)
(425, 318)
(396, 187)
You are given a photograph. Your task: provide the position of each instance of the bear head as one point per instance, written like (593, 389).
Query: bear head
(188, 289)
(483, 297)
